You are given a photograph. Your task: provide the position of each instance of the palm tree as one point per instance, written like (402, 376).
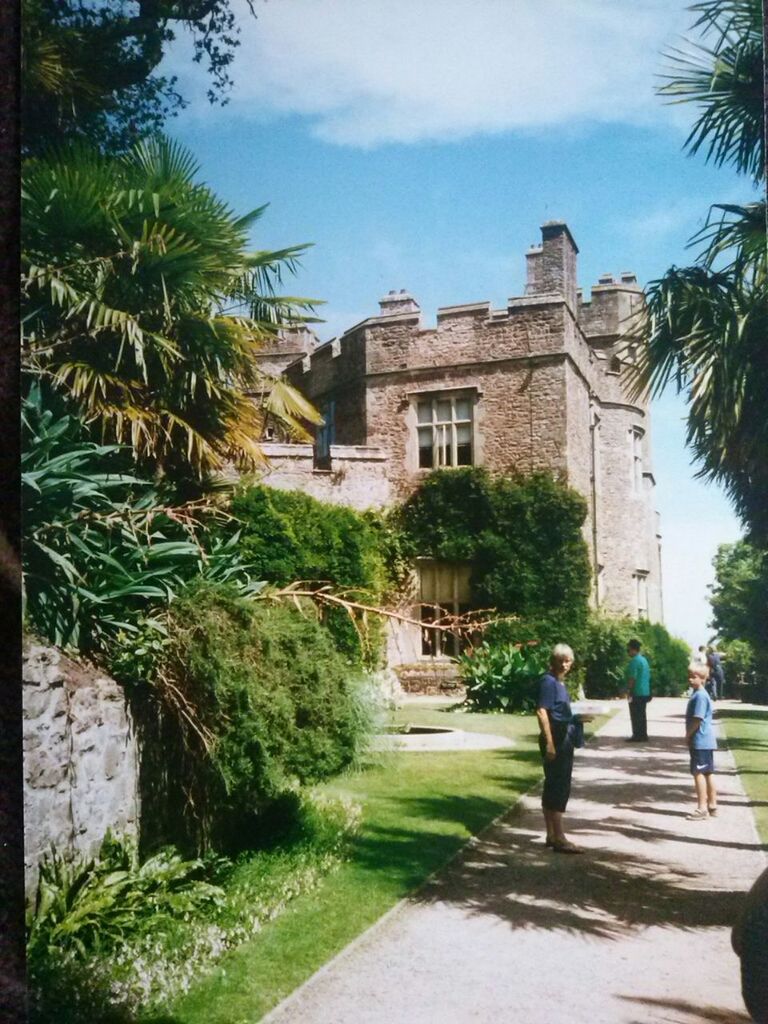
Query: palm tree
(705, 328)
(143, 304)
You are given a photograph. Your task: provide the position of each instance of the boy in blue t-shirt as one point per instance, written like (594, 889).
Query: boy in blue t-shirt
(700, 737)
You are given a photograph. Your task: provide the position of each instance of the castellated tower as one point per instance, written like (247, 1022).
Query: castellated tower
(537, 385)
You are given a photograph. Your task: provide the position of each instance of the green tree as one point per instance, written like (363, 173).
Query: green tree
(705, 326)
(739, 596)
(142, 303)
(89, 68)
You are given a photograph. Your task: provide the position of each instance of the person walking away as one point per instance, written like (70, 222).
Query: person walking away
(560, 731)
(700, 657)
(637, 676)
(716, 680)
(700, 737)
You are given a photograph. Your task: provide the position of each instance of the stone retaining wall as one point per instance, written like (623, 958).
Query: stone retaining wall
(80, 758)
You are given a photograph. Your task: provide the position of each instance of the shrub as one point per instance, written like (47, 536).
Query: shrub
(521, 534)
(605, 656)
(287, 536)
(273, 701)
(502, 677)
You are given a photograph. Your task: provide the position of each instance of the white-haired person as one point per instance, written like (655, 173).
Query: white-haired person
(559, 733)
(702, 744)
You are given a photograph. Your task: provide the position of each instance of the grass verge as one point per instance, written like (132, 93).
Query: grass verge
(418, 810)
(746, 730)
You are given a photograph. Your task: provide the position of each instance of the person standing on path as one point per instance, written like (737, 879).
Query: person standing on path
(637, 676)
(560, 731)
(700, 737)
(716, 681)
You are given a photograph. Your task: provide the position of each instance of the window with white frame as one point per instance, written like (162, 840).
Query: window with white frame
(444, 426)
(640, 579)
(636, 456)
(444, 592)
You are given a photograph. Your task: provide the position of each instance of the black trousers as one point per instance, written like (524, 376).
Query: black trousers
(638, 717)
(557, 774)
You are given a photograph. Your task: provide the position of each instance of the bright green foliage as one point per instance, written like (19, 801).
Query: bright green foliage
(605, 656)
(287, 536)
(103, 552)
(277, 703)
(93, 905)
(740, 594)
(142, 303)
(522, 535)
(502, 677)
(739, 602)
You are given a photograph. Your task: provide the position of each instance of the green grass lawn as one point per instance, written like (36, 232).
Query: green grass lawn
(746, 731)
(418, 810)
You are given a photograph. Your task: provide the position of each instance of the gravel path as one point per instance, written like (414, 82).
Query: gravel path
(635, 931)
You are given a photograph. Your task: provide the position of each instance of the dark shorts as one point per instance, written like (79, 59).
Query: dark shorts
(702, 762)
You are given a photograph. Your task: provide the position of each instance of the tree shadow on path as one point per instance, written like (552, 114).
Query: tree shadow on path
(713, 1014)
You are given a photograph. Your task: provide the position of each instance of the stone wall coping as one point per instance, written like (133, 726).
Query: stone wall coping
(469, 307)
(390, 318)
(545, 299)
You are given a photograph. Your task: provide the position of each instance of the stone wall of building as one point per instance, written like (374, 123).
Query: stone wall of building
(357, 477)
(81, 758)
(547, 383)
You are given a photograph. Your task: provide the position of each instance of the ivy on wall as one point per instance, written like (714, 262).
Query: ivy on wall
(523, 537)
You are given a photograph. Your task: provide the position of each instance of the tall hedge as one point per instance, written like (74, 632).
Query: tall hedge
(605, 656)
(287, 536)
(523, 537)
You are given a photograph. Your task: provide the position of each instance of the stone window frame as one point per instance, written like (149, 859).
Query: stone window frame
(640, 580)
(436, 603)
(636, 437)
(449, 426)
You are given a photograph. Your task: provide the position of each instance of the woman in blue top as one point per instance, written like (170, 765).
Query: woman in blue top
(556, 742)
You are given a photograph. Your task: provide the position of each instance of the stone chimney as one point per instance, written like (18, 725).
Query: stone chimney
(533, 269)
(552, 265)
(398, 302)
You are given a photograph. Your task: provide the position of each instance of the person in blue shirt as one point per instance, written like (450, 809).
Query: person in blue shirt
(559, 732)
(637, 676)
(700, 737)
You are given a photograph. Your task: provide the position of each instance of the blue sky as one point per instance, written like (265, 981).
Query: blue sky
(421, 144)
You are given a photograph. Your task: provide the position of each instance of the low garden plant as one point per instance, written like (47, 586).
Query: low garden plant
(111, 939)
(502, 677)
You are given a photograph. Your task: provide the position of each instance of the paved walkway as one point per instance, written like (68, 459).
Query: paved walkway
(636, 930)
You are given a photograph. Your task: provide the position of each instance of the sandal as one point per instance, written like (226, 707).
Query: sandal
(712, 812)
(697, 815)
(566, 847)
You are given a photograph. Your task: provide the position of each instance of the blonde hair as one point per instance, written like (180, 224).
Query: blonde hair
(559, 653)
(695, 669)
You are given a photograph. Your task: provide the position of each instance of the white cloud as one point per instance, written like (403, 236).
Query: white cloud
(367, 73)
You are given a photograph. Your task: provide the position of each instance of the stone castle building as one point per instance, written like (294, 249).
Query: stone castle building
(535, 386)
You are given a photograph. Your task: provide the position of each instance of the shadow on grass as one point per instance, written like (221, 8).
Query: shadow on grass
(744, 714)
(714, 1014)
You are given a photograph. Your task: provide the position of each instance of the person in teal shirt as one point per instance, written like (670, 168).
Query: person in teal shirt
(637, 676)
